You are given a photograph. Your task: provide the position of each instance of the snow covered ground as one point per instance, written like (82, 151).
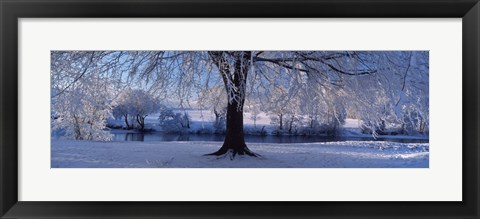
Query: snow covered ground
(350, 154)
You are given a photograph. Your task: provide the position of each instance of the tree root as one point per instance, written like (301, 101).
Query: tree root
(233, 152)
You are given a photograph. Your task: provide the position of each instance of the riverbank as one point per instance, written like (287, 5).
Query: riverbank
(202, 124)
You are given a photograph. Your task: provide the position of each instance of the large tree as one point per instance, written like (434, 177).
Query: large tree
(234, 68)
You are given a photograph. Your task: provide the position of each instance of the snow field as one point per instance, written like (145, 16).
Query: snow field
(351, 154)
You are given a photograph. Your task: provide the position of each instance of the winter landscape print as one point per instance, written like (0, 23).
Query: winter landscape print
(239, 109)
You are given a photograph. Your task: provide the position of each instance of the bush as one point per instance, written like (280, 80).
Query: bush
(256, 131)
(172, 122)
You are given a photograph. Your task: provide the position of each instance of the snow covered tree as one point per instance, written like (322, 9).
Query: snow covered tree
(215, 99)
(277, 106)
(134, 106)
(124, 108)
(83, 109)
(172, 122)
(254, 114)
(394, 97)
(234, 68)
(143, 104)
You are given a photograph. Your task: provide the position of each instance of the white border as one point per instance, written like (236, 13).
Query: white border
(440, 182)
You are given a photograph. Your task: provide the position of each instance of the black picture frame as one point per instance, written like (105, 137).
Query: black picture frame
(12, 10)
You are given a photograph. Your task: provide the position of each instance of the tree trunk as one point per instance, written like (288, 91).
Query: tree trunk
(235, 138)
(126, 121)
(141, 122)
(217, 115)
(78, 131)
(291, 124)
(187, 120)
(281, 120)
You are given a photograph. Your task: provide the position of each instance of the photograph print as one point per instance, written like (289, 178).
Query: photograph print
(239, 109)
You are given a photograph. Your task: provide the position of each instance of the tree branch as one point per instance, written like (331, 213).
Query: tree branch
(77, 78)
